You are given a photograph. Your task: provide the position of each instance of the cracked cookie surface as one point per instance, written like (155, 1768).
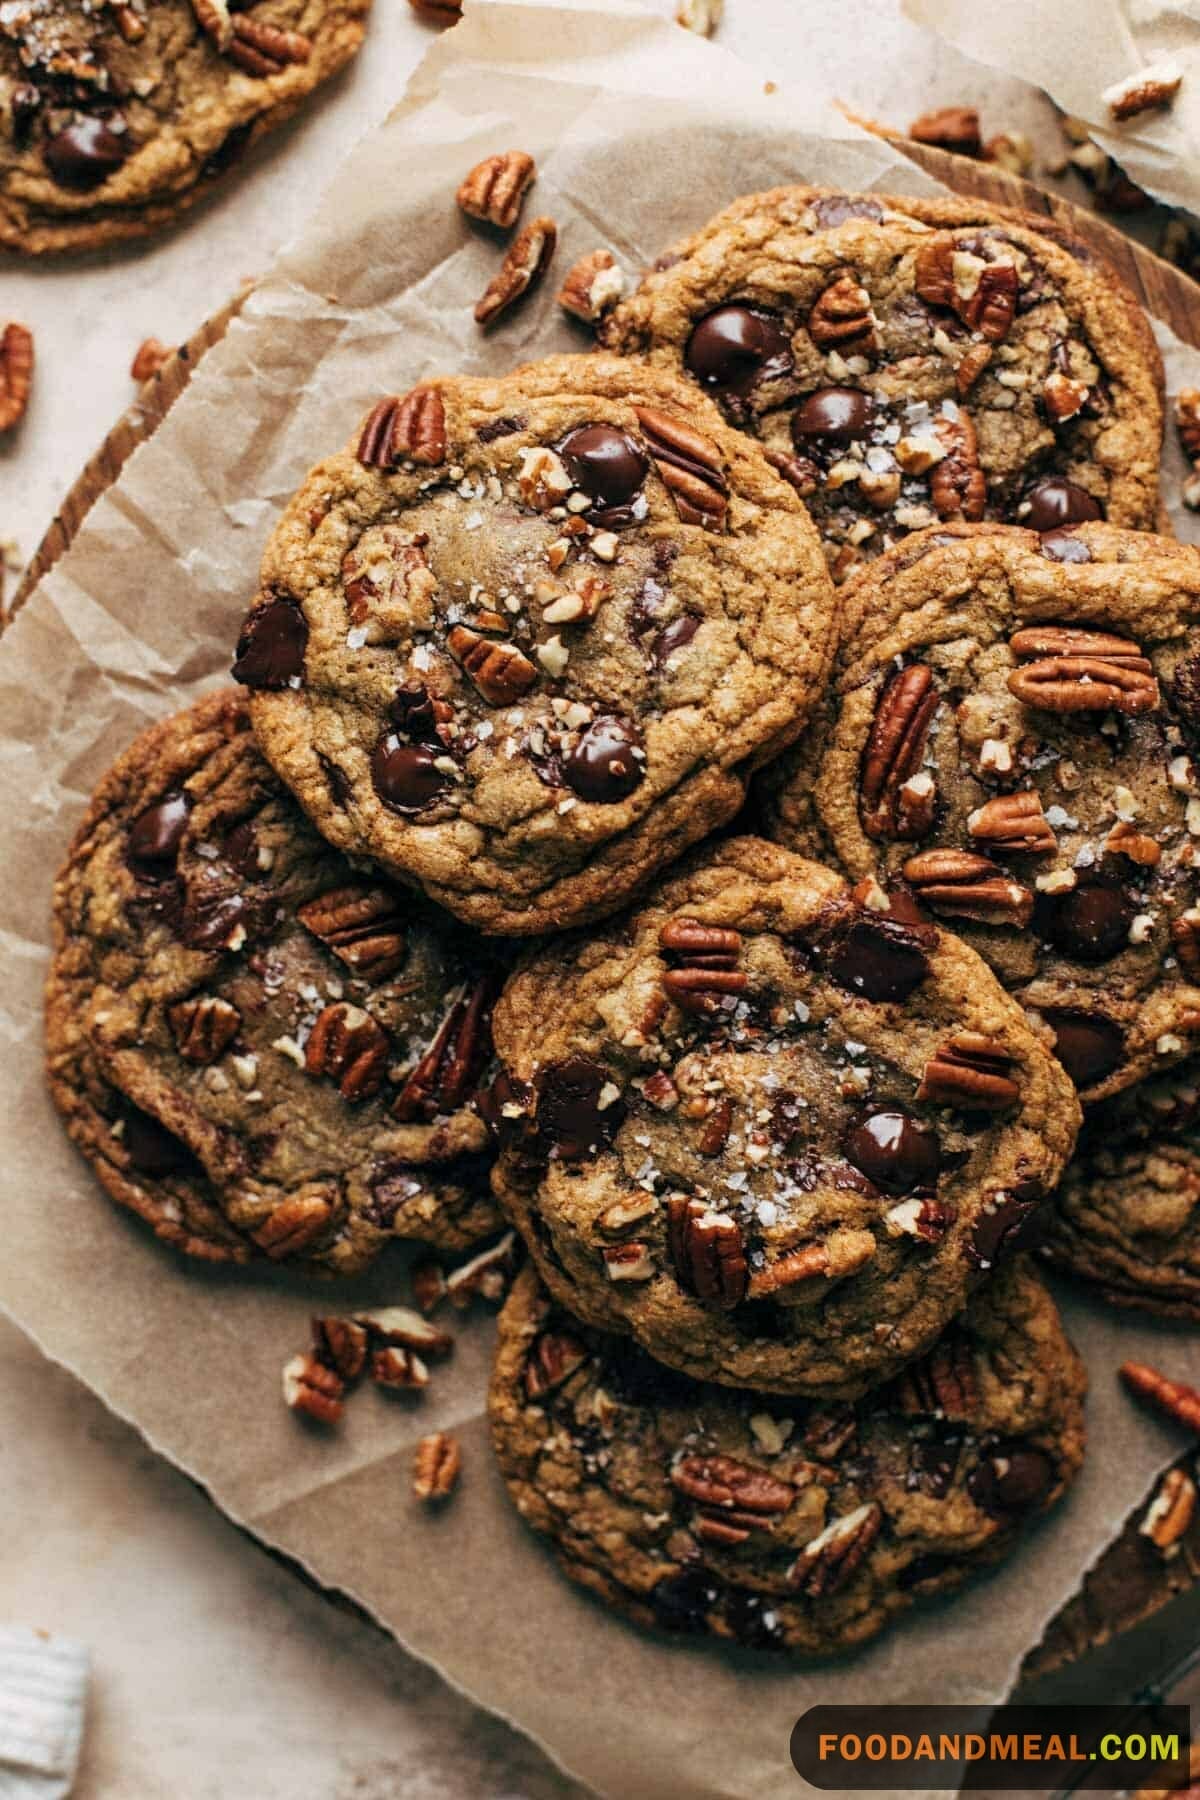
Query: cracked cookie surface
(525, 642)
(260, 1050)
(908, 361)
(785, 1525)
(775, 1134)
(1010, 739)
(115, 115)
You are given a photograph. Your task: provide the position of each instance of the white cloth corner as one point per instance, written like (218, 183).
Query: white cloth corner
(43, 1698)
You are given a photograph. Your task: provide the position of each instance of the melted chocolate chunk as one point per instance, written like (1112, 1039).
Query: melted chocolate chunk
(155, 837)
(153, 1150)
(894, 1150)
(1089, 924)
(683, 1601)
(406, 777)
(835, 415)
(241, 850)
(270, 651)
(1088, 1045)
(1064, 547)
(491, 429)
(733, 348)
(572, 1122)
(1056, 502)
(933, 1461)
(635, 1379)
(881, 959)
(86, 152)
(413, 713)
(675, 636)
(210, 920)
(752, 1619)
(508, 1129)
(1008, 1223)
(604, 463)
(1011, 1477)
(602, 767)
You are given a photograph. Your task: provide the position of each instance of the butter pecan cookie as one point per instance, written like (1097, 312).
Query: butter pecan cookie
(1127, 1215)
(524, 642)
(260, 1050)
(115, 115)
(912, 361)
(785, 1525)
(774, 1132)
(1009, 741)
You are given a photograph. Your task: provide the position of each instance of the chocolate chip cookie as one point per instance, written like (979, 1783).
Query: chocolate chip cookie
(115, 115)
(259, 1049)
(1125, 1217)
(1009, 741)
(524, 642)
(912, 361)
(785, 1525)
(775, 1130)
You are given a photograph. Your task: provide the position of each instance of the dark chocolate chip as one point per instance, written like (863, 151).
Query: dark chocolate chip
(571, 1121)
(635, 1379)
(835, 414)
(24, 106)
(1056, 502)
(683, 1601)
(1088, 1045)
(155, 837)
(270, 651)
(602, 767)
(675, 636)
(241, 850)
(928, 1566)
(492, 429)
(880, 961)
(153, 1150)
(1011, 1477)
(505, 1090)
(413, 713)
(752, 1619)
(209, 920)
(1089, 924)
(1065, 547)
(933, 1460)
(604, 463)
(733, 348)
(1008, 1223)
(894, 1150)
(86, 152)
(406, 777)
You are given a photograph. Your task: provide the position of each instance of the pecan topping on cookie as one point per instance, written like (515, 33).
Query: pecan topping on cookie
(798, 1265)
(1013, 822)
(204, 1027)
(895, 750)
(690, 466)
(495, 188)
(841, 316)
(965, 886)
(524, 265)
(362, 927)
(262, 49)
(942, 1382)
(970, 1071)
(294, 1226)
(826, 1564)
(16, 374)
(721, 1482)
(957, 485)
(442, 1079)
(500, 671)
(348, 1045)
(707, 970)
(554, 1359)
(707, 1251)
(412, 428)
(1068, 668)
(983, 294)
(592, 287)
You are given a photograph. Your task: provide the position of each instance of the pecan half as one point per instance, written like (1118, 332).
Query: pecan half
(554, 1358)
(1069, 668)
(310, 1387)
(261, 49)
(524, 265)
(798, 1265)
(983, 294)
(957, 485)
(151, 355)
(962, 885)
(841, 315)
(341, 1344)
(203, 1027)
(442, 1079)
(942, 1382)
(411, 427)
(707, 957)
(396, 1367)
(1170, 1513)
(348, 1045)
(401, 1325)
(592, 287)
(826, 1563)
(214, 20)
(954, 128)
(1013, 822)
(437, 1465)
(294, 1226)
(16, 374)
(970, 1071)
(722, 1484)
(707, 1251)
(362, 927)
(495, 188)
(1175, 1398)
(895, 749)
(690, 466)
(501, 672)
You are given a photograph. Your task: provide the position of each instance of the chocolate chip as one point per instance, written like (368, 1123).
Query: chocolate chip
(1056, 502)
(933, 1461)
(604, 463)
(86, 152)
(155, 837)
(1064, 547)
(881, 960)
(602, 767)
(675, 636)
(1011, 1477)
(735, 347)
(928, 1566)
(1007, 1224)
(228, 152)
(391, 1186)
(406, 776)
(209, 920)
(153, 1150)
(270, 651)
(413, 713)
(24, 106)
(635, 1379)
(1088, 1045)
(241, 850)
(491, 429)
(752, 1619)
(508, 1128)
(683, 1601)
(836, 414)
(571, 1121)
(835, 209)
(894, 1150)
(1089, 924)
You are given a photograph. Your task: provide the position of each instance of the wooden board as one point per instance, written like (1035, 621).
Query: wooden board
(1094, 1616)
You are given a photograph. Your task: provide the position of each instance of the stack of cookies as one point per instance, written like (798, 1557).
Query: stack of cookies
(838, 555)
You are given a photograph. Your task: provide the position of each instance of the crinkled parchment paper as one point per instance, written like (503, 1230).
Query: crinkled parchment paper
(640, 131)
(1075, 50)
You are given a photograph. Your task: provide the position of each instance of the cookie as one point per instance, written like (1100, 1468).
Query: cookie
(908, 362)
(1009, 738)
(116, 115)
(524, 642)
(775, 1134)
(785, 1525)
(259, 1049)
(1125, 1217)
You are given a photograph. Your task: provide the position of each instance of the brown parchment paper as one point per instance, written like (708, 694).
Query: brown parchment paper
(640, 131)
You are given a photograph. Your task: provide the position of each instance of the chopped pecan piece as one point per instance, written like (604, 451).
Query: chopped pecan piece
(707, 1251)
(400, 1325)
(427, 1279)
(1125, 840)
(312, 1388)
(661, 1091)
(1175, 1398)
(962, 885)
(130, 24)
(362, 927)
(411, 427)
(841, 316)
(261, 49)
(942, 1382)
(1013, 822)
(554, 1358)
(1170, 1513)
(830, 1430)
(1150, 90)
(437, 1464)
(970, 1071)
(349, 1046)
(1070, 668)
(628, 1262)
(150, 357)
(204, 1027)
(623, 1215)
(342, 1344)
(954, 128)
(826, 1564)
(799, 472)
(895, 749)
(16, 374)
(501, 672)
(495, 188)
(592, 287)
(809, 1261)
(715, 1133)
(294, 1226)
(983, 294)
(487, 1274)
(690, 466)
(525, 263)
(442, 1079)
(970, 366)
(214, 20)
(396, 1367)
(1063, 396)
(957, 485)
